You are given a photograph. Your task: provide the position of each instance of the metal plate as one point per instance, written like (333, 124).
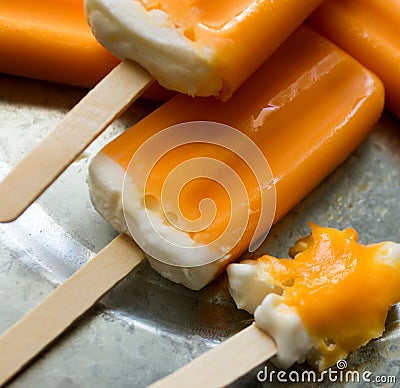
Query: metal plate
(147, 326)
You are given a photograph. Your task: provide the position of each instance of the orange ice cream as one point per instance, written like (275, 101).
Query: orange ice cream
(305, 120)
(50, 40)
(369, 31)
(198, 47)
(334, 294)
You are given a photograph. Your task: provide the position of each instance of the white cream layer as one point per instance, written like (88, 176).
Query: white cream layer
(252, 288)
(105, 181)
(129, 31)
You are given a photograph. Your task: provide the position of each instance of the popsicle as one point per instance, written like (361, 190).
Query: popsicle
(211, 52)
(369, 31)
(196, 47)
(301, 150)
(51, 41)
(319, 105)
(324, 302)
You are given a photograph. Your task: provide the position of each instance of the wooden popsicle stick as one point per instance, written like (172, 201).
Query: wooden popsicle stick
(35, 331)
(86, 121)
(225, 363)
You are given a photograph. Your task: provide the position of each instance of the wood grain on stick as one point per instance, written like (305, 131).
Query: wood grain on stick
(83, 124)
(35, 331)
(225, 363)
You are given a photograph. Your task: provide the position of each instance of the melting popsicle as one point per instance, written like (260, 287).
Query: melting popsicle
(216, 46)
(317, 108)
(369, 31)
(325, 302)
(306, 119)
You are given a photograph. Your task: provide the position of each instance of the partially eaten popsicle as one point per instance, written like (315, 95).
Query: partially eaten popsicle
(317, 108)
(197, 47)
(331, 298)
(369, 31)
(305, 120)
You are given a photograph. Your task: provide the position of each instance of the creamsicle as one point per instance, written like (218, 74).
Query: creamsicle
(331, 298)
(306, 110)
(51, 41)
(198, 47)
(369, 31)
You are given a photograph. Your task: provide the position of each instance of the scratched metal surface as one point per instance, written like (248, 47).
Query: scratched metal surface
(147, 327)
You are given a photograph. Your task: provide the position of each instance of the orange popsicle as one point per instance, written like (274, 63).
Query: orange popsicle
(198, 47)
(306, 110)
(50, 40)
(328, 299)
(369, 31)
